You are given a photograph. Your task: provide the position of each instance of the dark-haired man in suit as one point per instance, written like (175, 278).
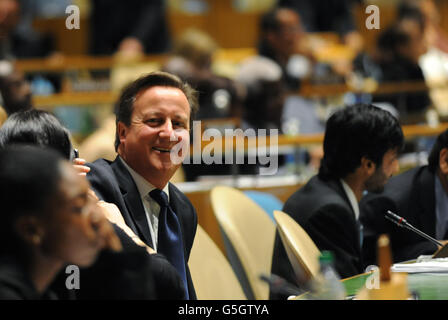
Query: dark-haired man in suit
(153, 116)
(360, 153)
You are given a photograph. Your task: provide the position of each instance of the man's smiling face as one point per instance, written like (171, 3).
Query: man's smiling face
(160, 119)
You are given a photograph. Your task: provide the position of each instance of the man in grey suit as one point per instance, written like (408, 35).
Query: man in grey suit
(153, 116)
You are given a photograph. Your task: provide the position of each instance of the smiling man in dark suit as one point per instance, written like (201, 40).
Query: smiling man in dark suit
(361, 143)
(152, 116)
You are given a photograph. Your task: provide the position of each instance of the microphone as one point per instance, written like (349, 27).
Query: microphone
(402, 223)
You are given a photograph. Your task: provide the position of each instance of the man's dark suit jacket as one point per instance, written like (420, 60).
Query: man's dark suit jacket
(112, 183)
(324, 212)
(410, 195)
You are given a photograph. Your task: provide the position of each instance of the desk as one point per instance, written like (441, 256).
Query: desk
(429, 286)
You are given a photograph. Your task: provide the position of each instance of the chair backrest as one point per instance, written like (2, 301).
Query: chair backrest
(250, 234)
(265, 200)
(302, 252)
(212, 275)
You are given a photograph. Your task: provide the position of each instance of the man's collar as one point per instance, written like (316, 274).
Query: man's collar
(351, 197)
(143, 186)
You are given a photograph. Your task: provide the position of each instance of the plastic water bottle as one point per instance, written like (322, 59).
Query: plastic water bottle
(327, 285)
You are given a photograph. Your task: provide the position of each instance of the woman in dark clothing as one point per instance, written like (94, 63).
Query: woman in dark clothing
(48, 221)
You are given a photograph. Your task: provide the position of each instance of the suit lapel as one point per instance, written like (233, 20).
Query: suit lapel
(132, 200)
(424, 183)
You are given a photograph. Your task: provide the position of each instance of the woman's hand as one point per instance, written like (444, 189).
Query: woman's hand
(80, 166)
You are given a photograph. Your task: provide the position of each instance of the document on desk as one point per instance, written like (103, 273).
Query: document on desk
(432, 265)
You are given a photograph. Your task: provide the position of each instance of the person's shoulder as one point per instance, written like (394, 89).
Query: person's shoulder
(14, 283)
(316, 188)
(402, 185)
(100, 168)
(103, 179)
(9, 293)
(318, 196)
(408, 175)
(99, 164)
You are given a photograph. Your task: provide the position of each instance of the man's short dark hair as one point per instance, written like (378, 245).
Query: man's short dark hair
(36, 127)
(29, 180)
(412, 11)
(357, 131)
(434, 155)
(125, 104)
(269, 21)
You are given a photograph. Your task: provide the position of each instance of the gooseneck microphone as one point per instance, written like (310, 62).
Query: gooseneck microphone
(402, 223)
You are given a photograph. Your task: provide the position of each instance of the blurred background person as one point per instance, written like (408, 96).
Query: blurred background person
(282, 40)
(131, 27)
(17, 37)
(15, 90)
(265, 94)
(329, 16)
(191, 60)
(399, 49)
(396, 58)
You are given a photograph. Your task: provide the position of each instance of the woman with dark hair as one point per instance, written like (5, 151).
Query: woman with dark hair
(41, 128)
(48, 221)
(37, 127)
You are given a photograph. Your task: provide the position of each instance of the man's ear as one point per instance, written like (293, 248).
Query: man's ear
(122, 130)
(368, 166)
(443, 161)
(29, 229)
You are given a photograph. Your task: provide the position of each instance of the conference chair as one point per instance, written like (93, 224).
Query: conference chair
(212, 274)
(265, 200)
(248, 235)
(302, 252)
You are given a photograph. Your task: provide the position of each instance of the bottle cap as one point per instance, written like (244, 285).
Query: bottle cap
(326, 257)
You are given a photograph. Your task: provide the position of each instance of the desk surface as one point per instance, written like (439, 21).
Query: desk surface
(428, 286)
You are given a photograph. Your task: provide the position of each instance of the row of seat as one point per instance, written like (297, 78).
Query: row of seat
(248, 232)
